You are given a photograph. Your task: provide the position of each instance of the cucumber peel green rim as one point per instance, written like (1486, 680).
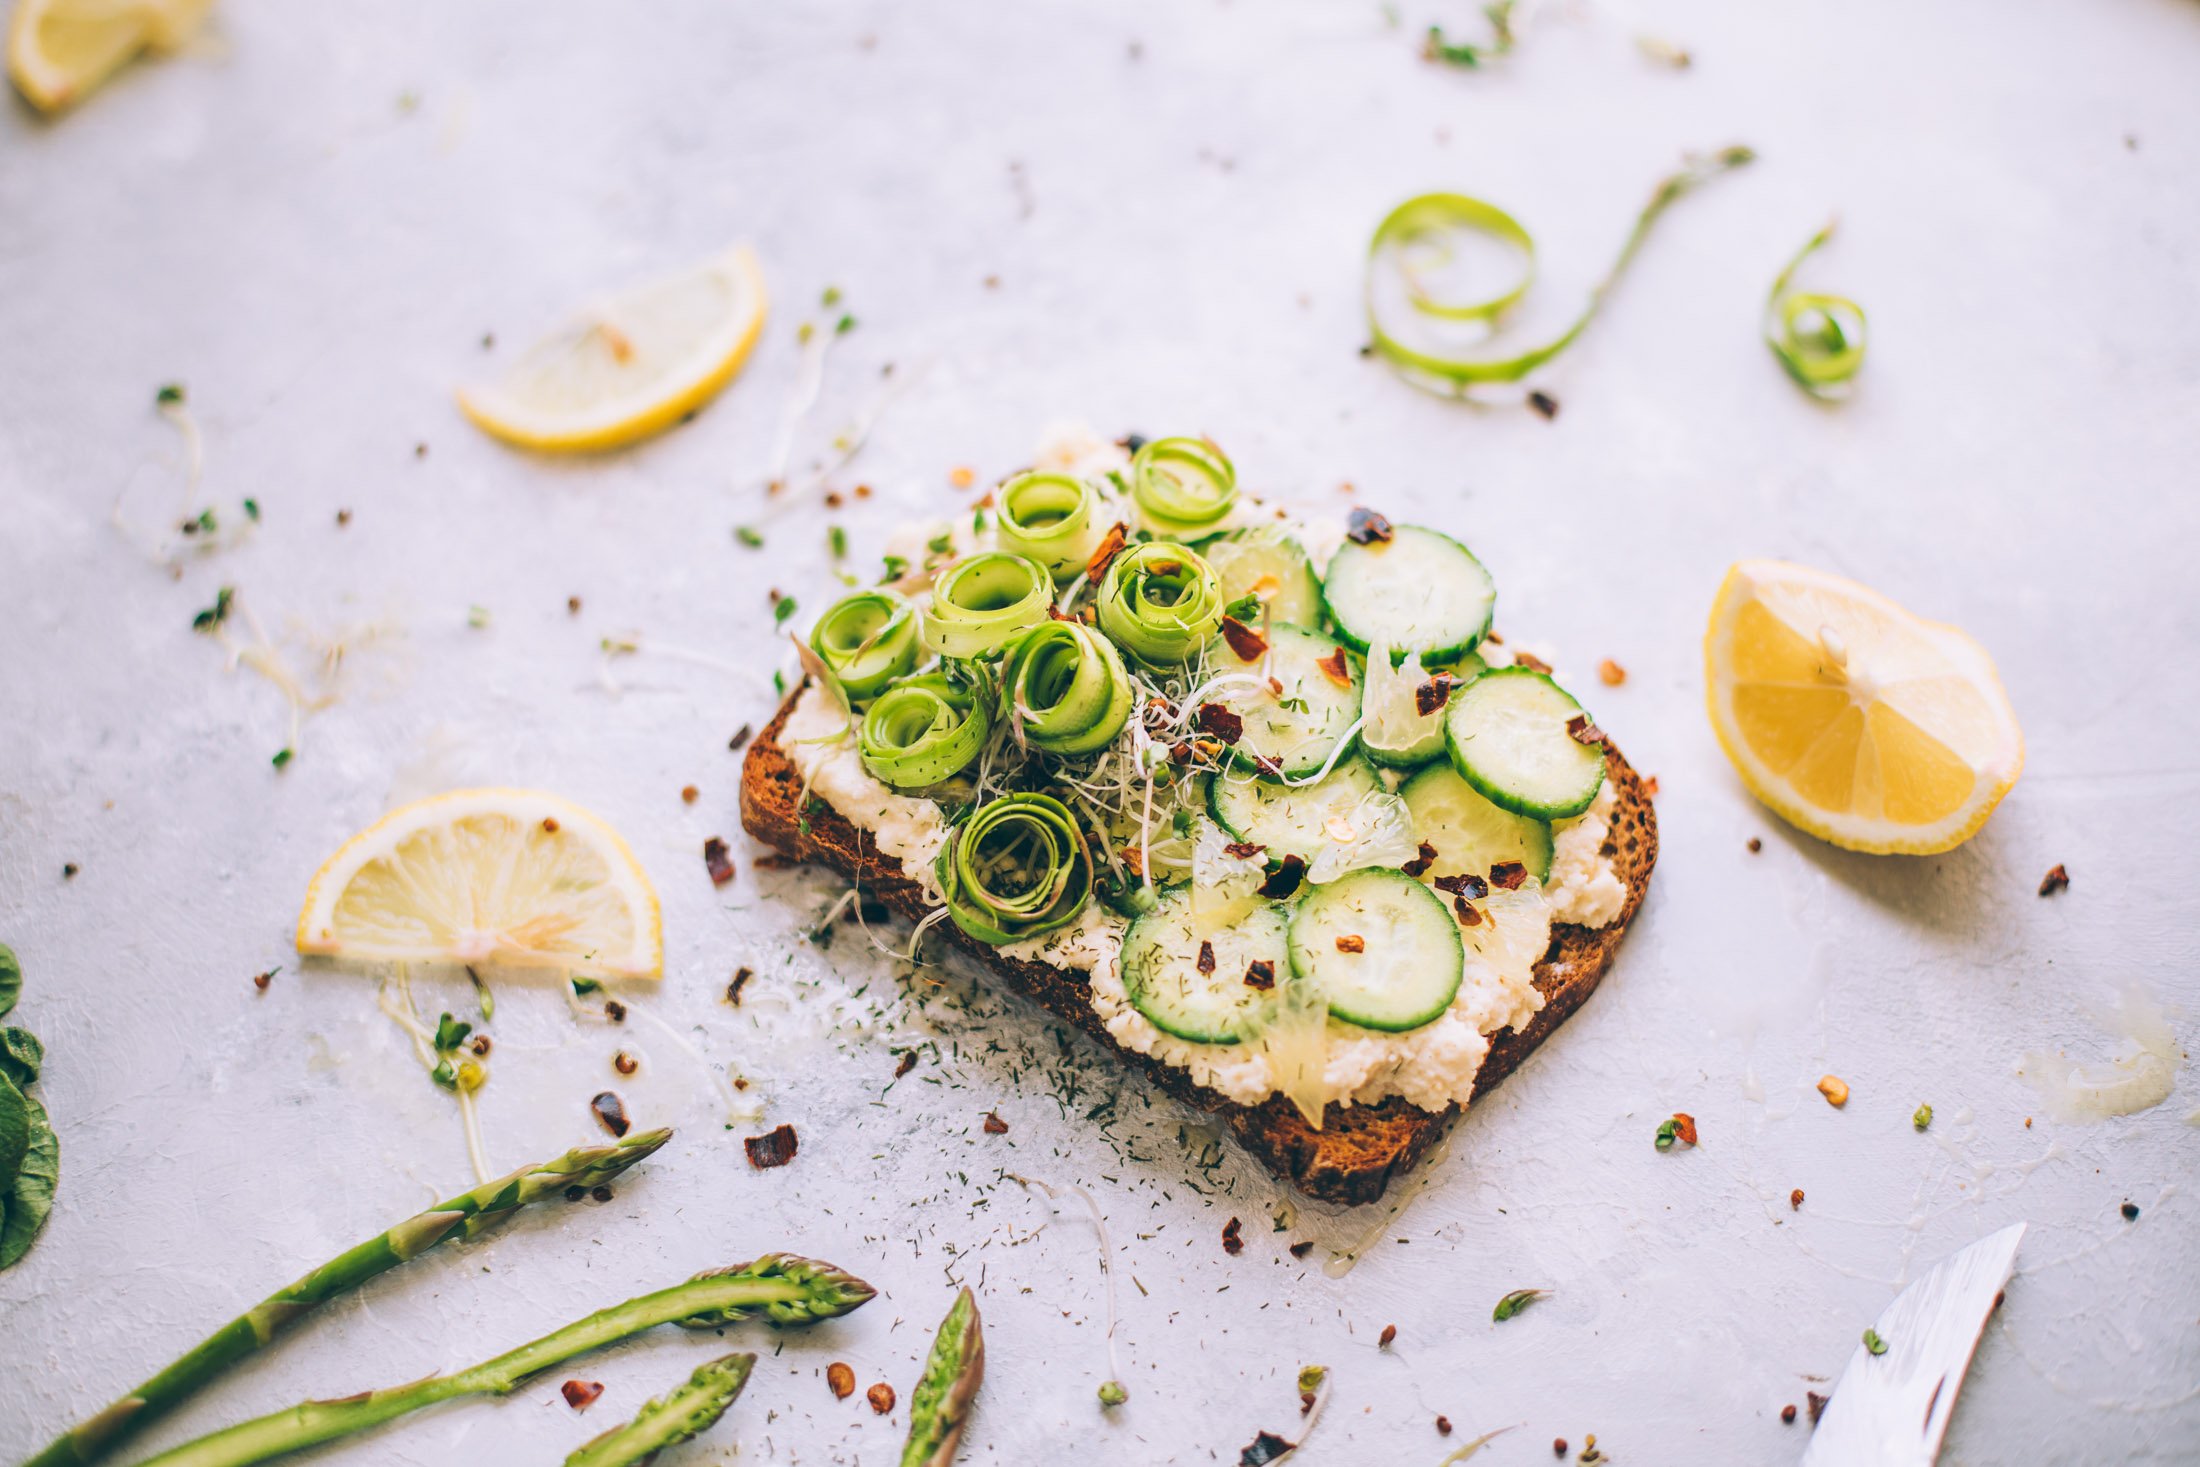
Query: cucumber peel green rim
(1161, 602)
(868, 640)
(1047, 518)
(1419, 225)
(921, 731)
(1064, 688)
(1017, 868)
(980, 602)
(1817, 336)
(1184, 486)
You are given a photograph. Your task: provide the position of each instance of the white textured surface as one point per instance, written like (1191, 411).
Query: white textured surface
(1177, 235)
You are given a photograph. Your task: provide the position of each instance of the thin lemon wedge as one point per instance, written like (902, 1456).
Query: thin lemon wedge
(633, 365)
(513, 878)
(59, 51)
(1854, 719)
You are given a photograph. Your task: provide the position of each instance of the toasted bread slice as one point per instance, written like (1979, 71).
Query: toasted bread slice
(1359, 1148)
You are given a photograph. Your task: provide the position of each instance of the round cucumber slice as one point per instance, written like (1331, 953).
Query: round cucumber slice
(1269, 565)
(1383, 948)
(1418, 591)
(1297, 723)
(1469, 833)
(1293, 820)
(1507, 736)
(1186, 961)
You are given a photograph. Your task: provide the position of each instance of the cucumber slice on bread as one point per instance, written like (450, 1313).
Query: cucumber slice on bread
(1292, 820)
(1204, 969)
(1418, 591)
(1269, 565)
(1468, 833)
(1511, 736)
(1292, 724)
(1382, 948)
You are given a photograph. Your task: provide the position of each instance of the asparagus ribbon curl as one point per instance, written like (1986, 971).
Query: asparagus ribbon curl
(1017, 868)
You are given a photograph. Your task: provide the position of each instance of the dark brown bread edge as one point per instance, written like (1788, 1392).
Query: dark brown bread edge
(1359, 1148)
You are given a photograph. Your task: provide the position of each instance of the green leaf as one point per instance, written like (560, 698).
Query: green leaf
(170, 392)
(11, 979)
(30, 1195)
(450, 1033)
(15, 1134)
(748, 537)
(1667, 1130)
(1873, 1343)
(783, 610)
(21, 1055)
(1923, 1118)
(1514, 1302)
(582, 987)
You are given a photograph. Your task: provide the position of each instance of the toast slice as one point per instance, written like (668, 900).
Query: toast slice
(1359, 1148)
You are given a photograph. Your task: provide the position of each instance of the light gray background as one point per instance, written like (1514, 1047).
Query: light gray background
(313, 218)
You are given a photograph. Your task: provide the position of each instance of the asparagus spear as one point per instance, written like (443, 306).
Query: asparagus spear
(682, 1415)
(463, 1216)
(778, 1287)
(940, 1404)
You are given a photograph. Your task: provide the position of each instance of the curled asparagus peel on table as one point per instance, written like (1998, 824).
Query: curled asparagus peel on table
(678, 1416)
(1817, 336)
(940, 1404)
(779, 1288)
(464, 1216)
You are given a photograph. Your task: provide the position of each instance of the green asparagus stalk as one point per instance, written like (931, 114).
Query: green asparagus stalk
(463, 1216)
(682, 1415)
(940, 1404)
(778, 1287)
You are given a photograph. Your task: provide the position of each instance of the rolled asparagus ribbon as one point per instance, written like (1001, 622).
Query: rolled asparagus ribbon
(1161, 603)
(868, 640)
(1420, 238)
(1183, 486)
(1048, 518)
(920, 731)
(1067, 685)
(980, 602)
(1818, 337)
(1017, 868)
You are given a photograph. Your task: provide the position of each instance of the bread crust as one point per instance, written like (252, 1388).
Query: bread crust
(1359, 1148)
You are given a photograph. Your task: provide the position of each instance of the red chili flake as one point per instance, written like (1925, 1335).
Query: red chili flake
(840, 1380)
(994, 1125)
(881, 1397)
(1787, 1414)
(1582, 731)
(1469, 914)
(1221, 722)
(261, 980)
(1266, 1448)
(612, 1112)
(581, 1394)
(1206, 960)
(863, 491)
(1243, 640)
(1260, 973)
(1110, 546)
(1795, 1200)
(614, 1011)
(1558, 1446)
(832, 499)
(2055, 880)
(1531, 662)
(1382, 1341)
(1684, 1126)
(1545, 405)
(1351, 942)
(1465, 884)
(774, 1148)
(717, 862)
(1275, 686)
(1508, 875)
(741, 977)
(1419, 865)
(1232, 1243)
(1610, 673)
(1365, 527)
(1755, 845)
(1056, 613)
(1267, 766)
(481, 1045)
(1336, 668)
(1284, 879)
(1817, 1405)
(1300, 1250)
(550, 824)
(689, 794)
(905, 1064)
(1244, 850)
(741, 736)
(1433, 694)
(1443, 1426)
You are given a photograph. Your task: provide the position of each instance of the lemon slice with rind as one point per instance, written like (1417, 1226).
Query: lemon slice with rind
(61, 50)
(1853, 718)
(503, 877)
(632, 365)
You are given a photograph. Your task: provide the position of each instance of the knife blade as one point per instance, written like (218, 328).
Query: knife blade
(1892, 1410)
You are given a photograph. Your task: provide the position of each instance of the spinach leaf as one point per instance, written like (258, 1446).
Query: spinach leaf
(11, 979)
(15, 1133)
(30, 1196)
(20, 1056)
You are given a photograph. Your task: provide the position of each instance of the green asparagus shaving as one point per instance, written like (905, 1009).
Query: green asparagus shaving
(1420, 239)
(681, 1415)
(979, 603)
(1516, 1301)
(1017, 868)
(1183, 486)
(1161, 603)
(1462, 53)
(777, 1287)
(940, 1404)
(1048, 518)
(921, 731)
(1818, 337)
(868, 640)
(1065, 686)
(464, 1216)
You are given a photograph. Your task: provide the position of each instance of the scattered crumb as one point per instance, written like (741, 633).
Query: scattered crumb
(962, 476)
(1232, 1243)
(881, 1397)
(741, 977)
(581, 1394)
(1545, 405)
(841, 1381)
(1301, 1249)
(1795, 1200)
(261, 980)
(1817, 1405)
(572, 606)
(994, 1125)
(1558, 1447)
(343, 518)
(689, 794)
(2054, 881)
(70, 868)
(1787, 1413)
(1755, 845)
(1610, 673)
(420, 450)
(1835, 1089)
(1390, 1332)
(2131, 1212)
(1443, 1426)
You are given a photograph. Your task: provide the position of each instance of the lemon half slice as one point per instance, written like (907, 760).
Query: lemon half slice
(1852, 718)
(633, 365)
(61, 50)
(515, 878)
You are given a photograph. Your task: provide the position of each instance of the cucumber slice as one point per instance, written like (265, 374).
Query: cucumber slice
(1161, 964)
(1409, 957)
(1394, 732)
(1299, 727)
(1507, 735)
(1418, 591)
(1294, 820)
(1469, 833)
(1269, 565)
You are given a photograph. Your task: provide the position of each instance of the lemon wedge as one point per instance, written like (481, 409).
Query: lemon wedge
(516, 878)
(61, 50)
(1854, 719)
(634, 364)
